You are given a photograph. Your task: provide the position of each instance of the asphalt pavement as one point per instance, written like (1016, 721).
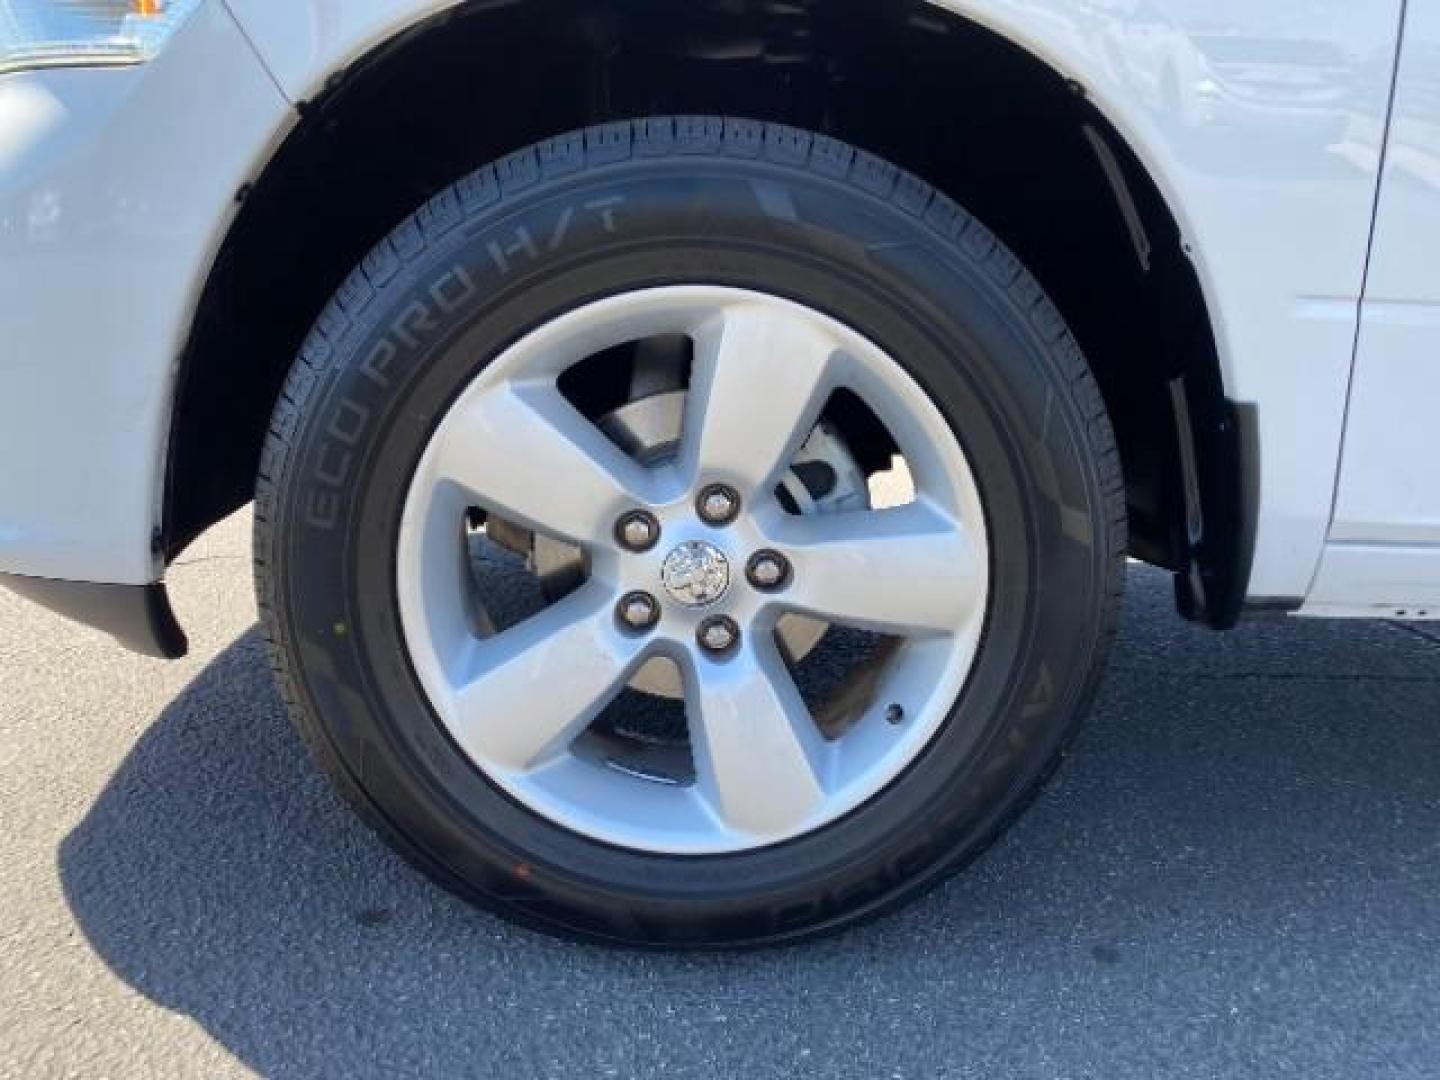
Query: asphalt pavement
(1237, 873)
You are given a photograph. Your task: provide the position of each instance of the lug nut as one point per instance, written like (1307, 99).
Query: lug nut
(638, 610)
(767, 570)
(718, 634)
(637, 530)
(718, 504)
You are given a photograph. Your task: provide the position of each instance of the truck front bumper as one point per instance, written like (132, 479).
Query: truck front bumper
(116, 188)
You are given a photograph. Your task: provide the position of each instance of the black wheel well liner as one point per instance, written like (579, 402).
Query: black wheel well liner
(976, 116)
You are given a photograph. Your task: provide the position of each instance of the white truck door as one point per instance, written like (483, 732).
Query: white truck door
(1383, 554)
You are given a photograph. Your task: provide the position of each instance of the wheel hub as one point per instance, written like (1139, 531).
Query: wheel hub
(649, 429)
(695, 573)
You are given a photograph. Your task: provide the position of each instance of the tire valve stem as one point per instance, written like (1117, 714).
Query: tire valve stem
(894, 714)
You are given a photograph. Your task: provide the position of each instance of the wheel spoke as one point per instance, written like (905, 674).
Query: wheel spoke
(524, 452)
(759, 758)
(760, 378)
(910, 570)
(529, 691)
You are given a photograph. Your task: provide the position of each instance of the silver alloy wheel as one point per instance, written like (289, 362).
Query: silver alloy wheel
(516, 702)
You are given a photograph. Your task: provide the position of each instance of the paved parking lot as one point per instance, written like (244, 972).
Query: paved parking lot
(1237, 873)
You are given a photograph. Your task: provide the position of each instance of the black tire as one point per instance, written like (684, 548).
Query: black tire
(663, 201)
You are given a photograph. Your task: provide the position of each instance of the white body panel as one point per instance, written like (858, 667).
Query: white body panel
(1273, 193)
(1390, 483)
(1359, 580)
(304, 43)
(1262, 124)
(116, 186)
(1384, 554)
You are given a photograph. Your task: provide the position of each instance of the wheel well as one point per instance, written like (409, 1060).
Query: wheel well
(979, 118)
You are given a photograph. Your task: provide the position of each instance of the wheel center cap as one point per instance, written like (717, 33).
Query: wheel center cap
(695, 573)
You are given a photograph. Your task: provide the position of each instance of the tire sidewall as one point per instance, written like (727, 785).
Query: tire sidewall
(405, 352)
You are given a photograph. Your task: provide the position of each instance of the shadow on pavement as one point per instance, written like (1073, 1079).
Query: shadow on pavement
(1240, 866)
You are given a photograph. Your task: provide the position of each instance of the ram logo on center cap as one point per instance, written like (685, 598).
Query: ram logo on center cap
(695, 573)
